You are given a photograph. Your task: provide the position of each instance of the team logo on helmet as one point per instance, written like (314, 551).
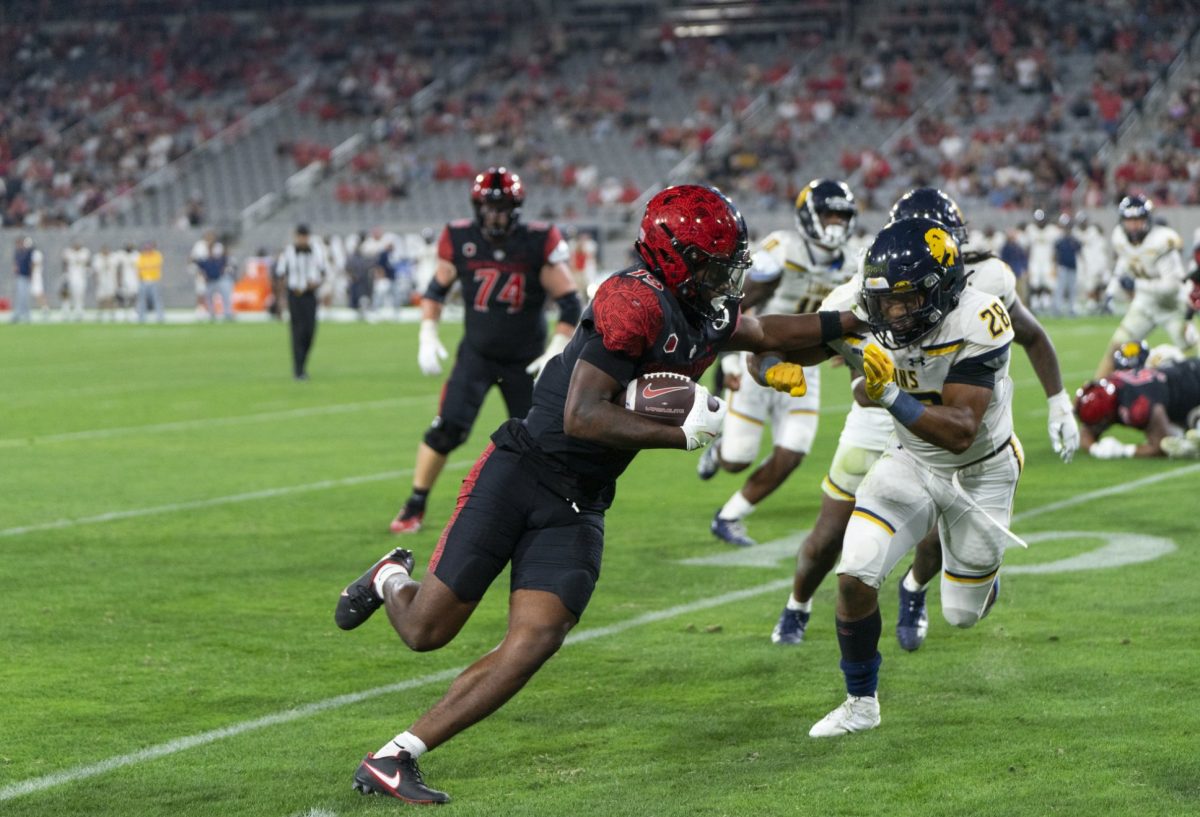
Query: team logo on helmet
(942, 246)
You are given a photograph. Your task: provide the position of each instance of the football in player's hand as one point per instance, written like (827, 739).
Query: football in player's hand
(663, 396)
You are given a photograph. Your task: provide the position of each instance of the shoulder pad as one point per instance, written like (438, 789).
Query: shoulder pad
(627, 313)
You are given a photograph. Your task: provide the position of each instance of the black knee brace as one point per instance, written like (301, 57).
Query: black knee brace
(443, 437)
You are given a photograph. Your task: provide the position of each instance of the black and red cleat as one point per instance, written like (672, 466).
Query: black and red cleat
(407, 521)
(398, 777)
(358, 601)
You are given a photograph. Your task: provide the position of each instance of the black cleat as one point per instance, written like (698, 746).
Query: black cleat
(358, 601)
(398, 777)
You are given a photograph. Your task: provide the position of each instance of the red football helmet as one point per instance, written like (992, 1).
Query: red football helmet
(1096, 403)
(695, 240)
(497, 196)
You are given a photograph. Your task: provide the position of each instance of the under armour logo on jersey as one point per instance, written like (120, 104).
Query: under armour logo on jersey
(469, 249)
(672, 343)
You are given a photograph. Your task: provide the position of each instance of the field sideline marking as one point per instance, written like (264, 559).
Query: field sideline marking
(210, 422)
(37, 784)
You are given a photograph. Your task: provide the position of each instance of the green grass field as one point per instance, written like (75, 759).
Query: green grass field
(178, 516)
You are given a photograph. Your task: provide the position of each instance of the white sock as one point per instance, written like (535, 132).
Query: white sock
(736, 508)
(404, 742)
(910, 584)
(385, 573)
(802, 606)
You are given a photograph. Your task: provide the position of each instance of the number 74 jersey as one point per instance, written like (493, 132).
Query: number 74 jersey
(971, 346)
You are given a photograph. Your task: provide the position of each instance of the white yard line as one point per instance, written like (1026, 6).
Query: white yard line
(266, 493)
(215, 422)
(78, 773)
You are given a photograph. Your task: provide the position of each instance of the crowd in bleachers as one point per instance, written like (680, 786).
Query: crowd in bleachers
(1167, 164)
(1011, 104)
(87, 109)
(541, 108)
(1033, 93)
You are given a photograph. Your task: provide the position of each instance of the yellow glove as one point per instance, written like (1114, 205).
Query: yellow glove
(787, 377)
(879, 371)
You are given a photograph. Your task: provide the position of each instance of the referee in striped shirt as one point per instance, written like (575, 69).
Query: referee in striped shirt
(301, 268)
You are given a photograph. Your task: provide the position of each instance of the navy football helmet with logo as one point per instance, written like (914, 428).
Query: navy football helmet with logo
(913, 276)
(496, 191)
(826, 211)
(1131, 356)
(695, 241)
(929, 202)
(1135, 214)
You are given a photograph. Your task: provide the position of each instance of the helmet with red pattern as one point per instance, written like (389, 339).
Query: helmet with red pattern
(497, 196)
(1096, 403)
(694, 239)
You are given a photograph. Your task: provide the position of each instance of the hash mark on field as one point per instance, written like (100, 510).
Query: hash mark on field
(212, 422)
(37, 784)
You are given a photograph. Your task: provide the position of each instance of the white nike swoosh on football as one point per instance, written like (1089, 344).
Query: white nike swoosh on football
(393, 780)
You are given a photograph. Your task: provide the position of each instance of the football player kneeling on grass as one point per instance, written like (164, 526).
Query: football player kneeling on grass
(1164, 403)
(537, 496)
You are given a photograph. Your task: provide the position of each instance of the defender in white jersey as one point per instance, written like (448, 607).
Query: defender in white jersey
(954, 461)
(793, 271)
(76, 264)
(868, 428)
(1150, 264)
(1039, 239)
(104, 267)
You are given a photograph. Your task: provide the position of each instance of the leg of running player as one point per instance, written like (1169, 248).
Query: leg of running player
(462, 398)
(821, 548)
(537, 624)
(912, 620)
(740, 438)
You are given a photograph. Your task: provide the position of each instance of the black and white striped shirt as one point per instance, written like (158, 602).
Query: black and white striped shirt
(304, 269)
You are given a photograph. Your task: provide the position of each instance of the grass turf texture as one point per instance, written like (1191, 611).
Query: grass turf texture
(1074, 697)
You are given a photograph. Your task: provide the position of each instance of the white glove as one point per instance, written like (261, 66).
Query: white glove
(1064, 431)
(557, 343)
(702, 424)
(1110, 448)
(430, 350)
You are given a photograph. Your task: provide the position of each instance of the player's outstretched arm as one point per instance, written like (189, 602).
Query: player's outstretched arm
(792, 333)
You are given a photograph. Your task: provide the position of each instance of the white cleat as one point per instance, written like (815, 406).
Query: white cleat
(854, 715)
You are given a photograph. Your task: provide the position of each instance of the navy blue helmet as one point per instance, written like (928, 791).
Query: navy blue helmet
(912, 277)
(929, 202)
(1131, 355)
(1138, 209)
(818, 201)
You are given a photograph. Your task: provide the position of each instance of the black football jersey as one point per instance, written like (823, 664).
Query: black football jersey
(633, 326)
(502, 289)
(1175, 387)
